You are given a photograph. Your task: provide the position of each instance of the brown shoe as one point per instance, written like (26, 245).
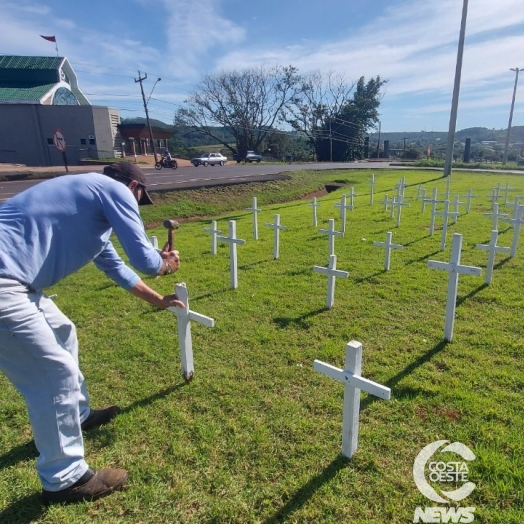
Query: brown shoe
(93, 485)
(99, 417)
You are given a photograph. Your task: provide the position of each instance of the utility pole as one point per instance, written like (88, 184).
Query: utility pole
(330, 142)
(511, 115)
(404, 147)
(378, 143)
(456, 90)
(140, 79)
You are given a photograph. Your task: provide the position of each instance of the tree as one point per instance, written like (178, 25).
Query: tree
(246, 104)
(335, 115)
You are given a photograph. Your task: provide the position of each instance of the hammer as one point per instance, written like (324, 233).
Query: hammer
(171, 225)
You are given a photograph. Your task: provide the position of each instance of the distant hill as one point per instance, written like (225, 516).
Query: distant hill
(186, 138)
(142, 120)
(476, 134)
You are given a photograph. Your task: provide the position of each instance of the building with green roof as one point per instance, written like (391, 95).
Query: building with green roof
(39, 95)
(39, 80)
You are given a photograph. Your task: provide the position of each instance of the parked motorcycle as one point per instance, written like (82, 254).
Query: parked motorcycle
(167, 164)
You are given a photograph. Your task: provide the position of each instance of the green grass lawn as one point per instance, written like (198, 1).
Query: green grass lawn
(256, 436)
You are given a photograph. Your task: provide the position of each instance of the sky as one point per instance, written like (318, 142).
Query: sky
(412, 44)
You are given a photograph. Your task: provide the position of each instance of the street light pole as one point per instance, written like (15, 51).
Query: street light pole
(516, 69)
(141, 79)
(456, 90)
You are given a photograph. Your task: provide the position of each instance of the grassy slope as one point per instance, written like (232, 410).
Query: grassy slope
(256, 436)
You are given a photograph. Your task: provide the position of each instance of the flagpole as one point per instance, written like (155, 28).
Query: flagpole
(51, 39)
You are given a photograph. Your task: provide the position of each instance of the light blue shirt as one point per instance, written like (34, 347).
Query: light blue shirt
(58, 226)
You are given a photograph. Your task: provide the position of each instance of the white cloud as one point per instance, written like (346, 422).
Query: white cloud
(193, 29)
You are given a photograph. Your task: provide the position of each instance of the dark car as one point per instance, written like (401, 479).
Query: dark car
(251, 156)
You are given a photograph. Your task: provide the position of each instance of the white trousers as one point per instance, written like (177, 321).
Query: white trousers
(39, 355)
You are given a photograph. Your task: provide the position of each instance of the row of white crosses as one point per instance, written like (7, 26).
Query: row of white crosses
(351, 374)
(331, 270)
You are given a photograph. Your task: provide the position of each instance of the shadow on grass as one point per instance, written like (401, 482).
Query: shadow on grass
(472, 294)
(153, 398)
(284, 322)
(29, 451)
(25, 510)
(369, 277)
(18, 454)
(298, 272)
(415, 241)
(486, 242)
(393, 381)
(422, 258)
(300, 497)
(253, 264)
(500, 264)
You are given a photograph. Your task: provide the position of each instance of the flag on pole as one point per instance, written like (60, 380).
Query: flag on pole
(51, 39)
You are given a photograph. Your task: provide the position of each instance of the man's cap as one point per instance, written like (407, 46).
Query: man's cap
(129, 171)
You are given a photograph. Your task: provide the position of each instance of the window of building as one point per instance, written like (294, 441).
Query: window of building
(92, 141)
(50, 141)
(83, 141)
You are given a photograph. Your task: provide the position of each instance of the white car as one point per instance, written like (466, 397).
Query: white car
(209, 159)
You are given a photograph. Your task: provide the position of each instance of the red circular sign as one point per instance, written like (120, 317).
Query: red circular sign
(59, 140)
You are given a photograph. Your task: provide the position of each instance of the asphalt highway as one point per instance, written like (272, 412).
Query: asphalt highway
(198, 177)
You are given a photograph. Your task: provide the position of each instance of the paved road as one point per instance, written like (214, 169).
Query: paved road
(196, 177)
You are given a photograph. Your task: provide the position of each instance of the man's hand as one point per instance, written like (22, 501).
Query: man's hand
(171, 301)
(171, 261)
(143, 291)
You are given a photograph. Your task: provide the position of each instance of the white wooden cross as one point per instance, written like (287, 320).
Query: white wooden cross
(456, 211)
(314, 205)
(401, 186)
(214, 232)
(343, 206)
(494, 195)
(516, 222)
(276, 237)
(353, 384)
(468, 198)
(507, 189)
(454, 269)
(423, 196)
(184, 317)
(372, 187)
(154, 243)
(332, 272)
(515, 207)
(388, 245)
(399, 203)
(448, 187)
(493, 249)
(445, 214)
(420, 192)
(393, 202)
(352, 196)
(495, 216)
(233, 241)
(332, 234)
(386, 202)
(255, 217)
(433, 201)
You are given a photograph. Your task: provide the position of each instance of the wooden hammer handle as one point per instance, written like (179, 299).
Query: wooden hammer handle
(170, 239)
